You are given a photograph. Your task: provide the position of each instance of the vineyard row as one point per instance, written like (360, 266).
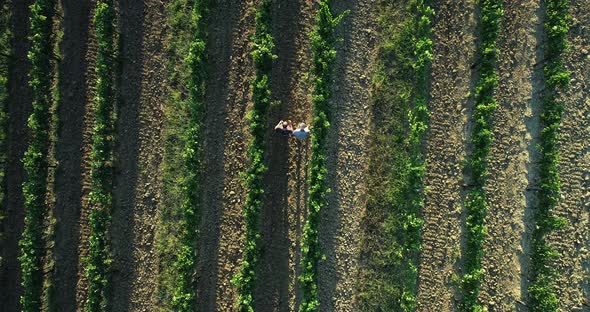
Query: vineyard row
(262, 55)
(186, 257)
(36, 157)
(98, 263)
(481, 141)
(323, 55)
(556, 78)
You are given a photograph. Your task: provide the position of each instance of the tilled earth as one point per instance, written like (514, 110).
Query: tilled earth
(138, 154)
(514, 128)
(232, 132)
(69, 152)
(573, 242)
(285, 207)
(347, 150)
(453, 51)
(139, 147)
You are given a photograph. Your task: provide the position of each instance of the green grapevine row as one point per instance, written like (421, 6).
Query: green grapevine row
(178, 235)
(262, 54)
(35, 159)
(481, 141)
(324, 54)
(184, 290)
(541, 289)
(418, 121)
(400, 98)
(99, 260)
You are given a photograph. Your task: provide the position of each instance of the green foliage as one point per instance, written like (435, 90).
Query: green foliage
(172, 231)
(481, 141)
(543, 256)
(5, 54)
(99, 259)
(400, 98)
(35, 159)
(184, 295)
(324, 54)
(262, 54)
(418, 123)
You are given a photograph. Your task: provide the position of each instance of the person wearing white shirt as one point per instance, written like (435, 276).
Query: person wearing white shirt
(302, 132)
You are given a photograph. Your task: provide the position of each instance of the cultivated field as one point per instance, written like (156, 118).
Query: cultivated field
(448, 166)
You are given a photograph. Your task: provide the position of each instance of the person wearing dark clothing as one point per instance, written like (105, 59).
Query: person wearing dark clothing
(284, 127)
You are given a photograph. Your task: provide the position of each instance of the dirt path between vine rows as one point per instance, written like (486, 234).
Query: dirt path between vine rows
(285, 202)
(347, 153)
(453, 52)
(228, 97)
(223, 18)
(73, 108)
(573, 242)
(138, 154)
(88, 123)
(504, 262)
(19, 109)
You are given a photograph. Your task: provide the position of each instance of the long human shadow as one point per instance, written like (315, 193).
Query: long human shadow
(68, 151)
(129, 88)
(223, 18)
(301, 196)
(19, 108)
(272, 287)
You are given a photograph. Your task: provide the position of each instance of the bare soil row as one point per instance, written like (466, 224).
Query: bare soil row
(224, 17)
(75, 89)
(505, 260)
(573, 242)
(453, 56)
(347, 153)
(285, 201)
(232, 25)
(138, 154)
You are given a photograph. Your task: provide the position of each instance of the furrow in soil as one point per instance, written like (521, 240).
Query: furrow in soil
(223, 18)
(347, 151)
(453, 51)
(139, 154)
(573, 242)
(299, 110)
(507, 183)
(88, 123)
(19, 109)
(69, 150)
(284, 206)
(235, 138)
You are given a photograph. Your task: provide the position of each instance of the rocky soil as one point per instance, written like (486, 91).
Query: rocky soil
(69, 149)
(138, 154)
(505, 260)
(347, 153)
(230, 31)
(452, 77)
(573, 242)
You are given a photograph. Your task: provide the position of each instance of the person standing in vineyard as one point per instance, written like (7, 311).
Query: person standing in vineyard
(302, 132)
(284, 127)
